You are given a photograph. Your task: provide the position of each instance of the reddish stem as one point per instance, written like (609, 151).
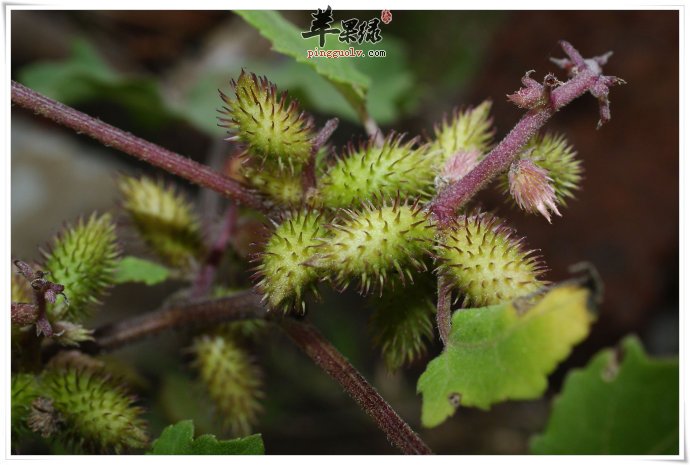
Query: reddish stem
(586, 77)
(131, 145)
(322, 352)
(443, 312)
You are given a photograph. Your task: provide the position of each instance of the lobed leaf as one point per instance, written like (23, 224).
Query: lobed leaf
(178, 439)
(503, 352)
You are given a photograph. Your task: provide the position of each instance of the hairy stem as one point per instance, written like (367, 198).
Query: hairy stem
(327, 357)
(247, 305)
(443, 313)
(586, 77)
(131, 145)
(241, 306)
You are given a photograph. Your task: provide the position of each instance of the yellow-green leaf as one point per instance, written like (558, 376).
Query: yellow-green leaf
(503, 352)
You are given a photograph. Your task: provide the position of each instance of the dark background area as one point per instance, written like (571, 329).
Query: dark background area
(624, 221)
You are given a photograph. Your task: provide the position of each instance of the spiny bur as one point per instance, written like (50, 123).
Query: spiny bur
(232, 380)
(368, 244)
(284, 276)
(272, 127)
(164, 219)
(370, 170)
(486, 263)
(97, 414)
(402, 322)
(466, 130)
(283, 187)
(83, 258)
(24, 389)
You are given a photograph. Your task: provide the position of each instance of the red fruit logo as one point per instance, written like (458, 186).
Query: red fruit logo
(386, 16)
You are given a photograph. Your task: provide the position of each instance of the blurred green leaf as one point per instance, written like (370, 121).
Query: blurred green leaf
(178, 439)
(502, 352)
(615, 407)
(286, 38)
(135, 269)
(85, 76)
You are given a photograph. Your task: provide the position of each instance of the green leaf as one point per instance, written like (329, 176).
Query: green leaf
(85, 76)
(616, 407)
(137, 270)
(502, 352)
(286, 38)
(178, 439)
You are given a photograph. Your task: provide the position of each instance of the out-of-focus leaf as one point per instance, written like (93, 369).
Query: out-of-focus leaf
(615, 407)
(503, 352)
(137, 270)
(85, 76)
(286, 38)
(178, 439)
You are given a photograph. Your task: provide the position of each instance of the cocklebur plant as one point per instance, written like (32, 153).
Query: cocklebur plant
(392, 217)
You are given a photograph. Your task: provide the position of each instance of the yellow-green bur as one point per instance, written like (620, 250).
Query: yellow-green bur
(164, 219)
(374, 242)
(98, 415)
(553, 153)
(501, 353)
(231, 379)
(282, 187)
(465, 130)
(24, 389)
(274, 129)
(285, 277)
(371, 173)
(83, 258)
(485, 263)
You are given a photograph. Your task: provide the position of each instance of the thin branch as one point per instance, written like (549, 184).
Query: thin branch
(322, 352)
(543, 103)
(443, 313)
(247, 305)
(131, 145)
(240, 306)
(204, 279)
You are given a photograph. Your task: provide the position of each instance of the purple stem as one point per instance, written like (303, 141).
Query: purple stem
(586, 77)
(131, 145)
(204, 279)
(309, 173)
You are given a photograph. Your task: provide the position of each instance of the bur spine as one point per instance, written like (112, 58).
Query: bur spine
(83, 259)
(272, 127)
(485, 262)
(284, 277)
(164, 219)
(374, 242)
(232, 380)
(98, 414)
(372, 171)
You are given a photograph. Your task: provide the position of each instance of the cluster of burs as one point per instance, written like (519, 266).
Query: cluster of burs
(364, 219)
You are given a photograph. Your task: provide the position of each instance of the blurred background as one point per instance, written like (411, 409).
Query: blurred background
(156, 74)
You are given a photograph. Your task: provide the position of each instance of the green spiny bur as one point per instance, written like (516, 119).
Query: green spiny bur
(377, 240)
(83, 258)
(98, 415)
(402, 322)
(465, 130)
(164, 219)
(283, 187)
(24, 389)
(485, 262)
(232, 380)
(284, 276)
(553, 153)
(369, 171)
(273, 128)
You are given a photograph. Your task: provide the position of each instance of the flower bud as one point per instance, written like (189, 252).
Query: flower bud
(532, 188)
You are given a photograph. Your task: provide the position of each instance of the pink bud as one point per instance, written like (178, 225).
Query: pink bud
(532, 188)
(460, 164)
